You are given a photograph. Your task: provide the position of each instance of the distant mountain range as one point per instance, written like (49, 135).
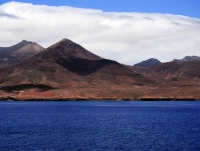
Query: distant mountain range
(148, 63)
(187, 58)
(66, 70)
(152, 62)
(14, 54)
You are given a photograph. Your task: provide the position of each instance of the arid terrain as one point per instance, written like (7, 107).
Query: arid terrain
(14, 54)
(67, 71)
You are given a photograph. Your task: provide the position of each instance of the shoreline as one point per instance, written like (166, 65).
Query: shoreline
(102, 99)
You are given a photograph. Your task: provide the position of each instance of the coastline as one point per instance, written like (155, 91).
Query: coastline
(102, 99)
(104, 94)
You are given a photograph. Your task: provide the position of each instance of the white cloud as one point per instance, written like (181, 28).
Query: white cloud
(125, 37)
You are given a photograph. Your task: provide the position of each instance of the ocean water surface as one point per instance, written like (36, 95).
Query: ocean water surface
(88, 125)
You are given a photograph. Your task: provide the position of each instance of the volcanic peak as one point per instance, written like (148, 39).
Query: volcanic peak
(69, 49)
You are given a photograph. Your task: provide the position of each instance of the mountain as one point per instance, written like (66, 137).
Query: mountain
(187, 58)
(65, 66)
(67, 71)
(6, 51)
(182, 72)
(148, 63)
(14, 54)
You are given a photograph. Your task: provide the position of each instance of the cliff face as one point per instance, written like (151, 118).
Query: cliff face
(66, 70)
(14, 54)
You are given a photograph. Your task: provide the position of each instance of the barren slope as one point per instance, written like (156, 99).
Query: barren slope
(66, 64)
(68, 71)
(14, 54)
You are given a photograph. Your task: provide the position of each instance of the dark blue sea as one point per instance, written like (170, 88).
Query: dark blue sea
(97, 126)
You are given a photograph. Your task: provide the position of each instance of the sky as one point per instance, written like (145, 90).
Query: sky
(128, 31)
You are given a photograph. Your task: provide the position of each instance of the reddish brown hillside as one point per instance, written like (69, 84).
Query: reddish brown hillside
(175, 70)
(66, 70)
(66, 64)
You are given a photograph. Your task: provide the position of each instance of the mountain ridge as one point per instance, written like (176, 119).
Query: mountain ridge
(187, 58)
(67, 71)
(16, 53)
(64, 63)
(5, 51)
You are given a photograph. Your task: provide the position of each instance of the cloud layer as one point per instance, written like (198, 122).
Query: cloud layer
(125, 37)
